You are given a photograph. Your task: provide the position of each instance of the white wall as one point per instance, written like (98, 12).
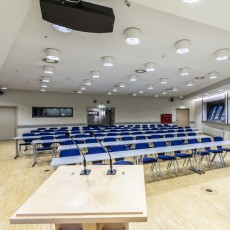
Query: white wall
(128, 109)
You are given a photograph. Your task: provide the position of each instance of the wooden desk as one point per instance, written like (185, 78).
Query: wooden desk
(90, 202)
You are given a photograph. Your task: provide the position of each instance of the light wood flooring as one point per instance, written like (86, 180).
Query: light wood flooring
(174, 202)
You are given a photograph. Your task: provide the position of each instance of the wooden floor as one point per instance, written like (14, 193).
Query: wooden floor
(174, 202)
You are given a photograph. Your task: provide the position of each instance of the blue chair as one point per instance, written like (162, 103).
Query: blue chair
(69, 153)
(226, 150)
(130, 138)
(26, 142)
(149, 132)
(109, 139)
(191, 134)
(155, 136)
(146, 159)
(120, 161)
(81, 135)
(140, 137)
(87, 141)
(181, 135)
(62, 137)
(169, 135)
(112, 134)
(124, 133)
(164, 157)
(181, 155)
(96, 150)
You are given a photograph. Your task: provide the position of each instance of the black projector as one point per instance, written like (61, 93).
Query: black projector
(78, 15)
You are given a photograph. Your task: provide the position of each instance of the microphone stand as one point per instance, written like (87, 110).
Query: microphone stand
(85, 171)
(111, 171)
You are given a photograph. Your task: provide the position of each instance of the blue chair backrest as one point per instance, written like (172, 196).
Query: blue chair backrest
(127, 138)
(117, 148)
(41, 129)
(91, 141)
(137, 133)
(28, 134)
(47, 137)
(95, 150)
(81, 135)
(69, 153)
(112, 134)
(142, 146)
(149, 132)
(181, 135)
(160, 144)
(169, 135)
(61, 137)
(75, 128)
(192, 141)
(206, 139)
(155, 136)
(109, 139)
(191, 134)
(218, 138)
(176, 142)
(99, 134)
(140, 137)
(69, 142)
(188, 130)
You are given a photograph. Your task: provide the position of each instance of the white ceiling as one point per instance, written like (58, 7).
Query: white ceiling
(81, 52)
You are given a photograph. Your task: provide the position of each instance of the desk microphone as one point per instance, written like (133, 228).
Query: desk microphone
(85, 171)
(111, 171)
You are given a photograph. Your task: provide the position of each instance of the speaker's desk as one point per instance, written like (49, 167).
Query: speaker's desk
(93, 202)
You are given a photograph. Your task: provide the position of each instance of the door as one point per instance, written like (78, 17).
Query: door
(182, 117)
(7, 123)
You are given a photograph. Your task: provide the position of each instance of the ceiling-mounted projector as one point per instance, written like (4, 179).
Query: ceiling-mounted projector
(78, 15)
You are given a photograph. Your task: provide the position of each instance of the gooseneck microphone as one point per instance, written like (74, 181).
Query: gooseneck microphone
(111, 171)
(85, 171)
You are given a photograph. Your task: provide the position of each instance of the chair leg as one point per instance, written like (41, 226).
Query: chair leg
(213, 157)
(178, 170)
(208, 161)
(222, 159)
(159, 169)
(184, 162)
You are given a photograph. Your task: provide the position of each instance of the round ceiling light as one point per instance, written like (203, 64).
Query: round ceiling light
(132, 77)
(114, 89)
(122, 85)
(164, 81)
(109, 93)
(189, 83)
(164, 92)
(79, 91)
(156, 95)
(134, 94)
(44, 85)
(150, 86)
(213, 75)
(184, 71)
(45, 79)
(108, 61)
(149, 67)
(190, 1)
(95, 74)
(52, 54)
(183, 46)
(88, 82)
(82, 87)
(3, 87)
(42, 89)
(132, 36)
(222, 54)
(140, 91)
(48, 69)
(174, 89)
(62, 29)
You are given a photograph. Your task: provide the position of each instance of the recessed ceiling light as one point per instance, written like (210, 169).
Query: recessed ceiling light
(48, 69)
(132, 77)
(220, 90)
(122, 85)
(108, 61)
(181, 97)
(174, 89)
(42, 89)
(114, 89)
(62, 29)
(132, 36)
(156, 95)
(150, 86)
(184, 71)
(164, 92)
(206, 94)
(3, 87)
(213, 75)
(45, 79)
(134, 94)
(140, 71)
(164, 81)
(189, 83)
(79, 91)
(88, 82)
(190, 1)
(52, 54)
(183, 46)
(109, 93)
(150, 66)
(44, 85)
(140, 91)
(82, 87)
(222, 54)
(95, 74)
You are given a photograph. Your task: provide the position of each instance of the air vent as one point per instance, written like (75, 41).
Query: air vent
(50, 61)
(199, 78)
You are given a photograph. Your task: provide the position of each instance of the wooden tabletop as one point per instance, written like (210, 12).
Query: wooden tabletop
(67, 197)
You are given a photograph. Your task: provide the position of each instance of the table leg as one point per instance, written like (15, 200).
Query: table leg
(196, 167)
(35, 155)
(17, 151)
